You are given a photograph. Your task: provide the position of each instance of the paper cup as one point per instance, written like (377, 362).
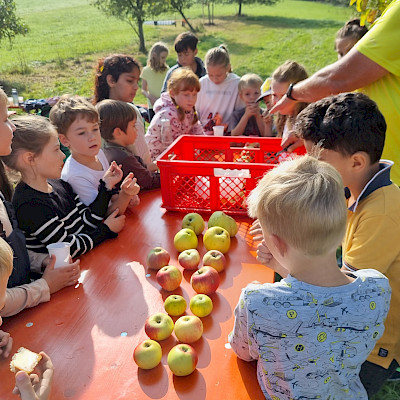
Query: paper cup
(61, 251)
(218, 130)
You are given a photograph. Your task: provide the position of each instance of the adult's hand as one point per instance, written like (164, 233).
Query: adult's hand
(284, 106)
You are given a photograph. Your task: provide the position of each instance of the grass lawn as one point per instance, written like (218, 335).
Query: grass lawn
(66, 39)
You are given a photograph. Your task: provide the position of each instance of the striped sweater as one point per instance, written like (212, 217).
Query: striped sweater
(60, 216)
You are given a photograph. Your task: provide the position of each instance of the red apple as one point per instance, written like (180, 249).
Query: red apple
(182, 359)
(215, 259)
(189, 259)
(205, 280)
(217, 238)
(157, 258)
(169, 277)
(159, 326)
(147, 354)
(188, 329)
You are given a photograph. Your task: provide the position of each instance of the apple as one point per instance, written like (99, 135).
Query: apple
(157, 258)
(175, 305)
(188, 329)
(219, 218)
(182, 359)
(185, 239)
(205, 280)
(217, 238)
(169, 277)
(147, 354)
(159, 326)
(189, 259)
(215, 259)
(193, 221)
(201, 305)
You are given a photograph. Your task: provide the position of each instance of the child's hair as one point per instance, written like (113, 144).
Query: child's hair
(184, 41)
(6, 259)
(32, 134)
(302, 201)
(114, 65)
(114, 114)
(289, 72)
(218, 56)
(352, 30)
(68, 109)
(249, 80)
(183, 79)
(346, 123)
(153, 60)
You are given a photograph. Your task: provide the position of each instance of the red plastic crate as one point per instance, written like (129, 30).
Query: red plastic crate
(199, 173)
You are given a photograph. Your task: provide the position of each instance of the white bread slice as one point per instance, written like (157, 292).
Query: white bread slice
(24, 360)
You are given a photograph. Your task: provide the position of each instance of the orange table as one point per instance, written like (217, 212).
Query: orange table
(90, 331)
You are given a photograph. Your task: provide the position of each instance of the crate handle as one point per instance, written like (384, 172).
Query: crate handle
(232, 173)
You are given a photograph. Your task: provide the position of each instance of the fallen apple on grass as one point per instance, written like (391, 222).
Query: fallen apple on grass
(193, 221)
(159, 326)
(217, 238)
(147, 354)
(169, 277)
(185, 239)
(157, 258)
(201, 305)
(219, 218)
(188, 329)
(215, 259)
(205, 280)
(182, 359)
(175, 305)
(189, 259)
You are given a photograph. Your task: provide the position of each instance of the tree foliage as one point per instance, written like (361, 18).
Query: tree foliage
(242, 2)
(181, 6)
(369, 10)
(10, 24)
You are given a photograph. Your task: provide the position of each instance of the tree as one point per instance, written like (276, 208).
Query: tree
(10, 24)
(263, 2)
(180, 5)
(134, 12)
(370, 10)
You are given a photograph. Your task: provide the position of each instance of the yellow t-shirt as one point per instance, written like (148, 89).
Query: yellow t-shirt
(381, 45)
(154, 81)
(372, 241)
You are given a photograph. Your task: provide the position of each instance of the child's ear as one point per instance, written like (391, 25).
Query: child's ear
(117, 133)
(280, 244)
(63, 139)
(360, 160)
(195, 52)
(28, 158)
(110, 80)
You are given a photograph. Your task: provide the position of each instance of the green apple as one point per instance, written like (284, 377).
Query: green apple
(188, 328)
(159, 326)
(201, 305)
(185, 239)
(182, 359)
(175, 305)
(194, 222)
(219, 218)
(217, 238)
(147, 354)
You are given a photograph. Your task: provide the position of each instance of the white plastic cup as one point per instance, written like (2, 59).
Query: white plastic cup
(61, 251)
(218, 130)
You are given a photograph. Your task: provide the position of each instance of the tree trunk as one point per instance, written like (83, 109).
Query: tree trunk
(186, 20)
(209, 13)
(240, 8)
(142, 45)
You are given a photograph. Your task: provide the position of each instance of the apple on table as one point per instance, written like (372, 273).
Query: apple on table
(147, 354)
(169, 277)
(193, 221)
(189, 259)
(175, 305)
(182, 359)
(217, 238)
(157, 258)
(159, 326)
(205, 280)
(201, 305)
(219, 218)
(215, 259)
(185, 239)
(188, 328)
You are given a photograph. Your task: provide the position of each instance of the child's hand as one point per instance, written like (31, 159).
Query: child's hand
(252, 109)
(267, 117)
(33, 387)
(115, 222)
(113, 175)
(129, 185)
(265, 257)
(256, 231)
(152, 167)
(59, 278)
(134, 202)
(5, 343)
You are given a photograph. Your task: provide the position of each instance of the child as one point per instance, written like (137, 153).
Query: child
(311, 331)
(153, 74)
(119, 131)
(178, 106)
(218, 97)
(288, 73)
(77, 124)
(117, 78)
(47, 209)
(186, 49)
(348, 131)
(21, 292)
(248, 121)
(266, 96)
(348, 35)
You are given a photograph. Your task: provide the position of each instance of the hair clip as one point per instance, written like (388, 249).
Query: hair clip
(101, 68)
(177, 107)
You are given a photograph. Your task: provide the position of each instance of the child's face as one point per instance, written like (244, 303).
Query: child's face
(6, 132)
(49, 163)
(278, 90)
(218, 73)
(130, 134)
(343, 46)
(186, 57)
(83, 138)
(125, 88)
(249, 95)
(268, 101)
(185, 99)
(163, 57)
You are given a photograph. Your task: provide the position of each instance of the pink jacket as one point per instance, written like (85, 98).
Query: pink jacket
(166, 109)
